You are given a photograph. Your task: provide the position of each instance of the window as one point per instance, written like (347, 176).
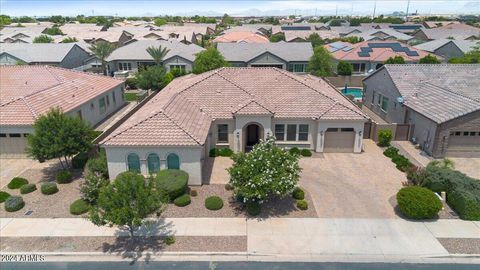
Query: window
(173, 162)
(384, 103)
(179, 67)
(113, 98)
(472, 133)
(79, 114)
(222, 132)
(280, 132)
(153, 162)
(358, 67)
(108, 100)
(133, 162)
(124, 66)
(101, 105)
(332, 129)
(373, 97)
(92, 106)
(15, 135)
(3, 135)
(303, 132)
(379, 100)
(465, 133)
(297, 67)
(346, 129)
(291, 132)
(458, 133)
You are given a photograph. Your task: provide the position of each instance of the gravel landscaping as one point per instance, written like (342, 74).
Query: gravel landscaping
(276, 208)
(461, 245)
(119, 245)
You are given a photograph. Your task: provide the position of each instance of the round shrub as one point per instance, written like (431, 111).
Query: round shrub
(253, 208)
(182, 201)
(79, 207)
(390, 152)
(14, 203)
(17, 182)
(225, 152)
(306, 152)
(294, 151)
(174, 182)
(302, 204)
(228, 187)
(193, 193)
(298, 194)
(214, 152)
(384, 137)
(25, 189)
(213, 203)
(170, 240)
(418, 203)
(64, 177)
(79, 161)
(4, 196)
(48, 188)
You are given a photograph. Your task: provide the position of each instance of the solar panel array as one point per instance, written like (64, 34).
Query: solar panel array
(406, 26)
(396, 47)
(297, 27)
(336, 46)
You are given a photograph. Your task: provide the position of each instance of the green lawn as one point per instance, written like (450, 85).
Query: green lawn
(130, 97)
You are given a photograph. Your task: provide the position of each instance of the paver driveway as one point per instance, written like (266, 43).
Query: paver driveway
(347, 185)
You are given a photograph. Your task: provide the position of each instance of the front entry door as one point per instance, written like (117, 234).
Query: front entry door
(252, 137)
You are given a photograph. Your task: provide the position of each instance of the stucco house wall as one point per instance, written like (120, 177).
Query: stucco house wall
(448, 51)
(267, 59)
(424, 130)
(113, 66)
(8, 60)
(74, 58)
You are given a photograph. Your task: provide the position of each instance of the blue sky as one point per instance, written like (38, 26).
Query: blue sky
(179, 7)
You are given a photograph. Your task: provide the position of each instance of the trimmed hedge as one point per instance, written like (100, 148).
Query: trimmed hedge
(213, 203)
(79, 161)
(17, 182)
(254, 208)
(4, 196)
(79, 207)
(221, 152)
(402, 163)
(49, 188)
(298, 194)
(63, 177)
(465, 204)
(302, 204)
(183, 200)
(306, 152)
(294, 151)
(173, 182)
(28, 188)
(390, 152)
(14, 203)
(418, 202)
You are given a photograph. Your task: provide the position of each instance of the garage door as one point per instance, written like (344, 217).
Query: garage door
(339, 140)
(463, 144)
(13, 146)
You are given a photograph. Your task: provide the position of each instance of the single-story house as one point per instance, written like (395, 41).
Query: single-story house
(66, 55)
(14, 34)
(441, 101)
(381, 34)
(133, 55)
(30, 91)
(234, 108)
(457, 31)
(435, 24)
(241, 37)
(293, 57)
(368, 56)
(448, 48)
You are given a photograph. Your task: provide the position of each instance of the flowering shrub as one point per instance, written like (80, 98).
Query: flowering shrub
(264, 172)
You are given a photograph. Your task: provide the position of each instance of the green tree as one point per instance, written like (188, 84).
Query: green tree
(209, 59)
(157, 53)
(344, 68)
(58, 19)
(227, 20)
(395, 60)
(160, 21)
(280, 36)
(57, 135)
(335, 22)
(153, 77)
(102, 50)
(472, 57)
(320, 63)
(5, 20)
(43, 39)
(69, 40)
(316, 40)
(53, 31)
(127, 201)
(429, 59)
(267, 171)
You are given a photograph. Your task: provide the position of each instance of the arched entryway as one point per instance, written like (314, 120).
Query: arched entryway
(253, 133)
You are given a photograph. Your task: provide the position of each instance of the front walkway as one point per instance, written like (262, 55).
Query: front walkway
(215, 170)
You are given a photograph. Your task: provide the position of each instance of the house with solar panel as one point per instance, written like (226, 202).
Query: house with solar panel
(369, 56)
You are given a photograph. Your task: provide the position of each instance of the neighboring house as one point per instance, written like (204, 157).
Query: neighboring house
(381, 34)
(235, 108)
(293, 57)
(368, 56)
(30, 91)
(302, 36)
(448, 48)
(435, 24)
(441, 101)
(133, 55)
(66, 55)
(241, 37)
(21, 34)
(458, 31)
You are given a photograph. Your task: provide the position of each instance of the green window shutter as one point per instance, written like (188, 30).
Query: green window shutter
(173, 162)
(133, 163)
(153, 162)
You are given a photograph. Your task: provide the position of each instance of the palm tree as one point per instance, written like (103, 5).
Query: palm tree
(102, 50)
(157, 54)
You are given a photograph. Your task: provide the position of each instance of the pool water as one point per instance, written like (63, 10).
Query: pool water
(357, 93)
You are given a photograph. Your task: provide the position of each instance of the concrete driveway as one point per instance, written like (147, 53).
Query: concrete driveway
(347, 185)
(469, 166)
(11, 167)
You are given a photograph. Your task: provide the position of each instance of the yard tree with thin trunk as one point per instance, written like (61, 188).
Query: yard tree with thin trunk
(102, 50)
(344, 68)
(208, 59)
(57, 135)
(429, 59)
(127, 201)
(153, 77)
(320, 63)
(266, 172)
(395, 60)
(157, 53)
(316, 40)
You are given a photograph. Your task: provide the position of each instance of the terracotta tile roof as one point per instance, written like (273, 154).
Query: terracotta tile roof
(248, 37)
(29, 91)
(181, 114)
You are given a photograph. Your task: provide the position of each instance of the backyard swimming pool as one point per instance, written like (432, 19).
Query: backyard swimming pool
(357, 93)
